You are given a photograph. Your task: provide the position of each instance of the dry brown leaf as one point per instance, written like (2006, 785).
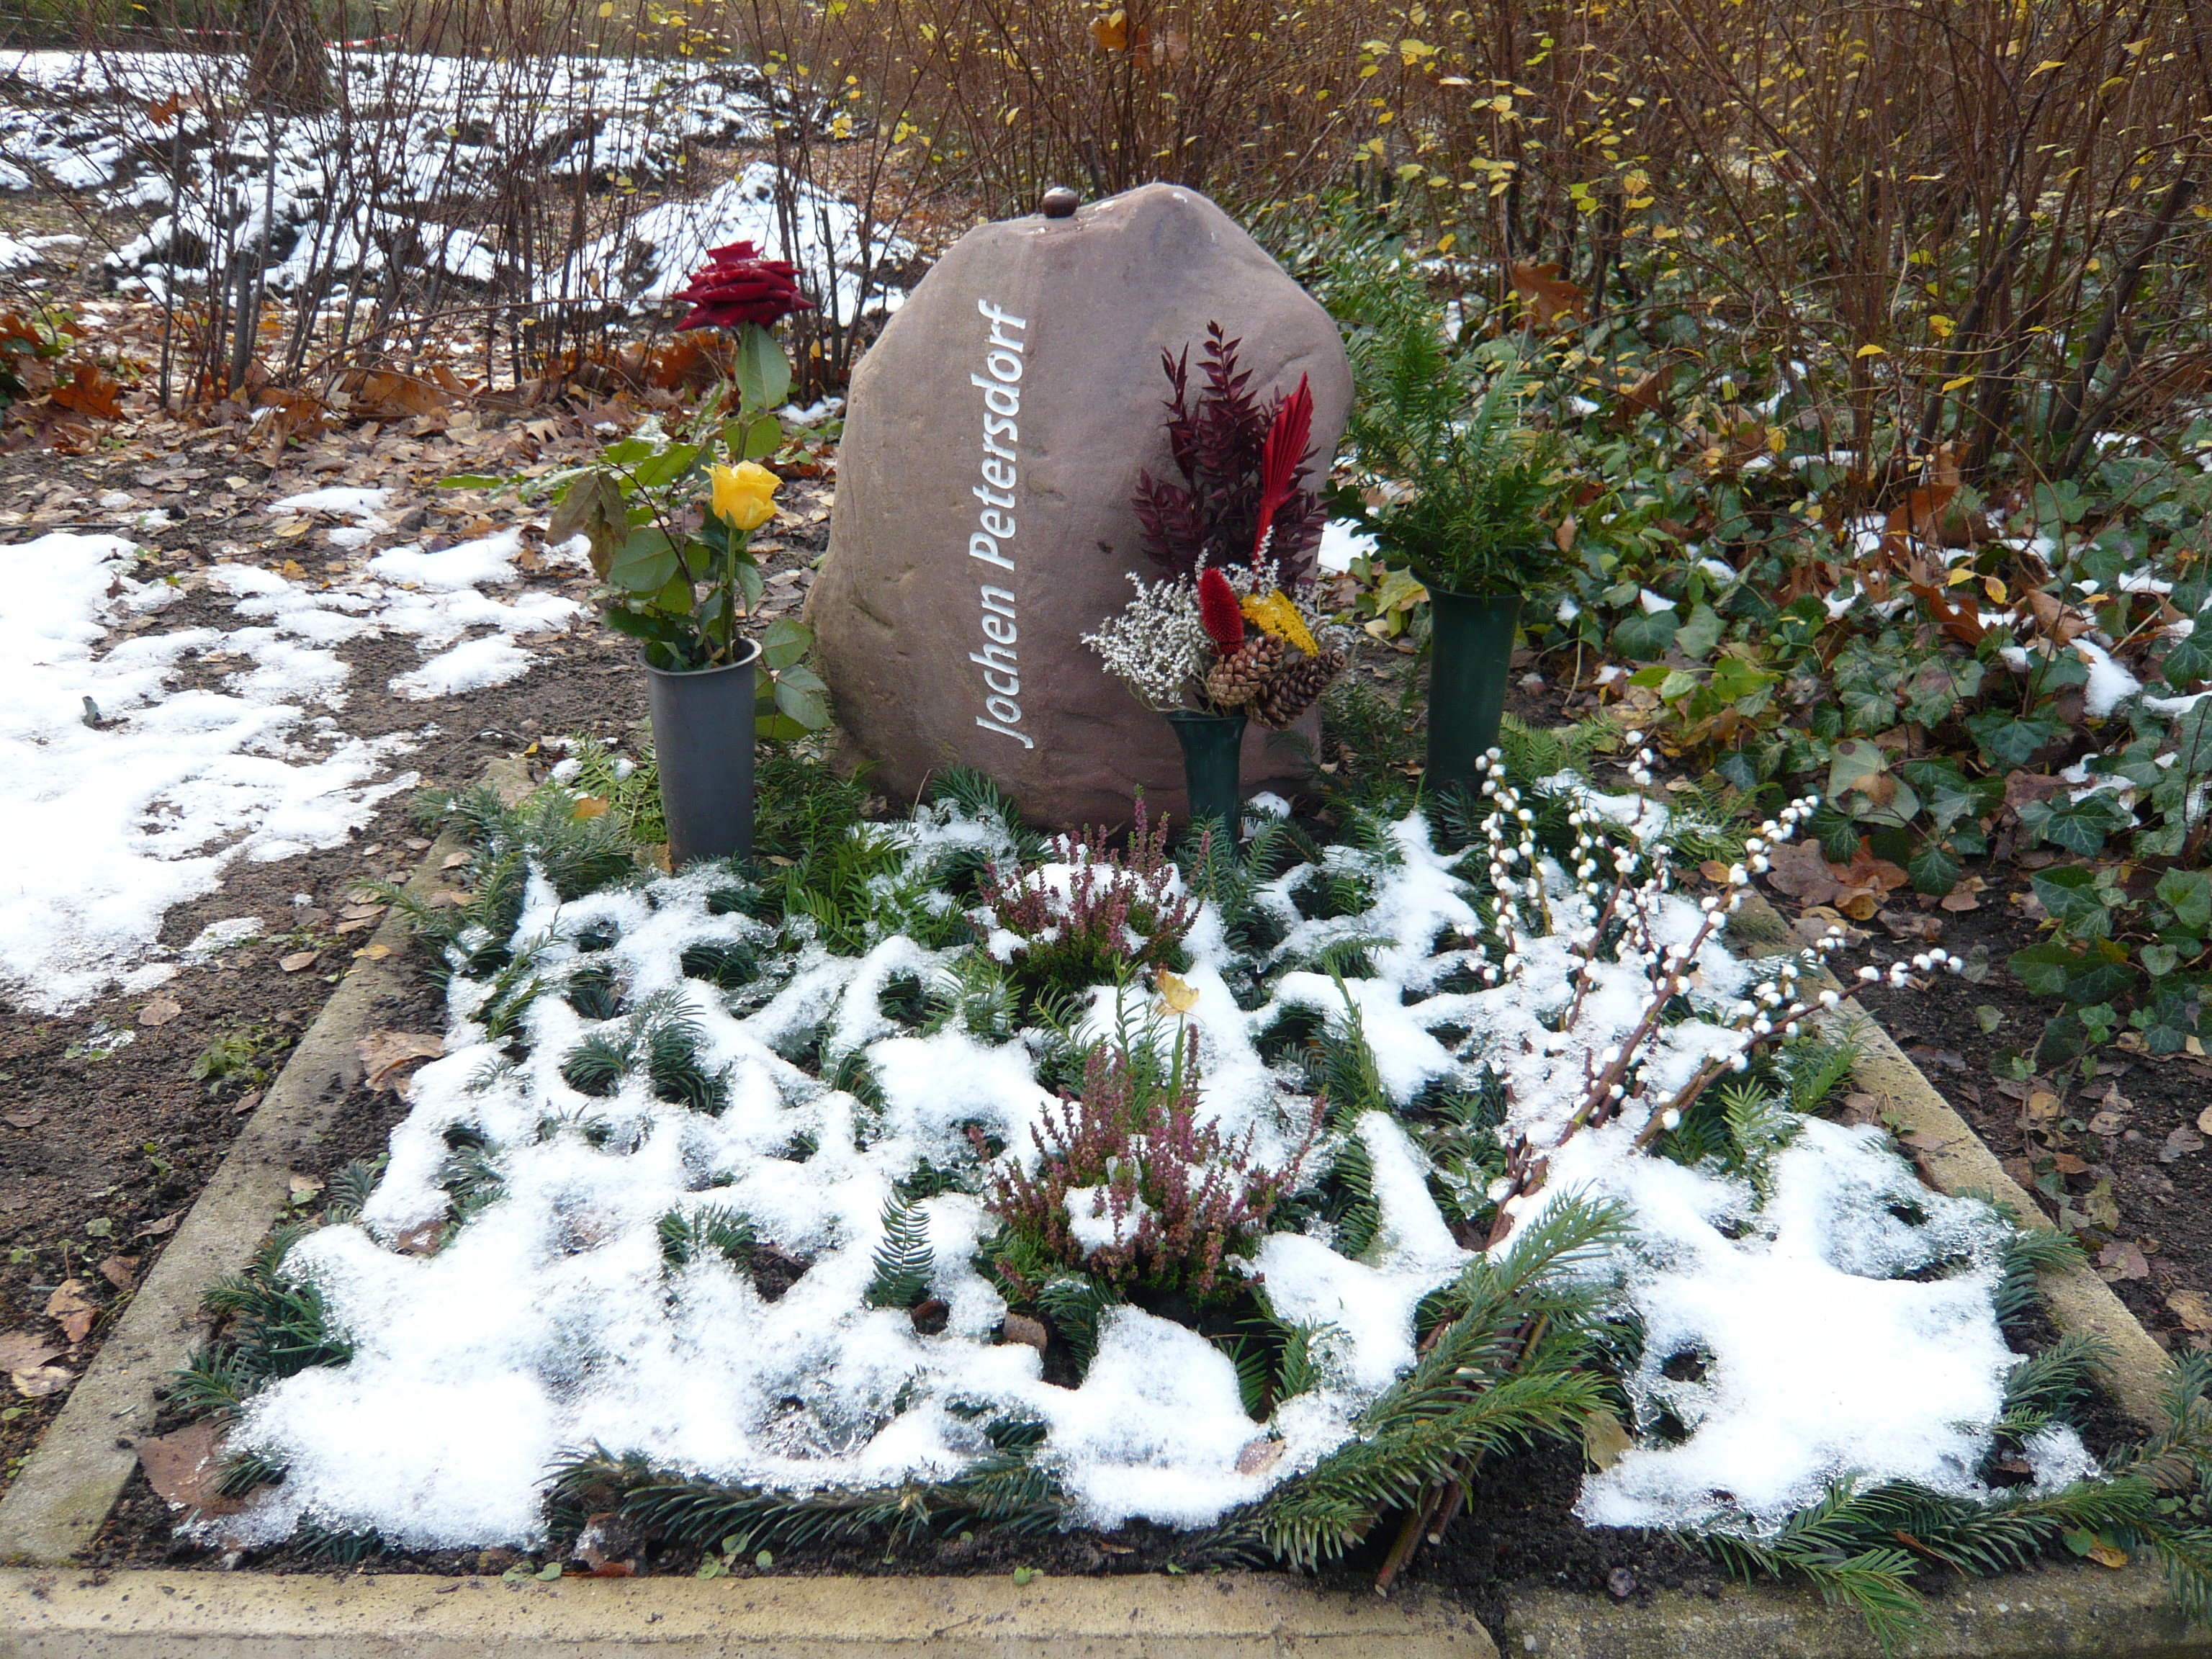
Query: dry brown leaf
(1860, 907)
(186, 1468)
(370, 912)
(302, 1187)
(159, 1011)
(1261, 1454)
(69, 1308)
(455, 860)
(120, 1271)
(387, 1056)
(29, 1120)
(19, 1351)
(168, 1223)
(2204, 1121)
(1797, 869)
(297, 960)
(2190, 1308)
(92, 392)
(1547, 297)
(2060, 622)
(37, 1382)
(1605, 1441)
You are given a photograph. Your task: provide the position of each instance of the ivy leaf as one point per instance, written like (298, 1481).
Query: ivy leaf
(1645, 637)
(2083, 977)
(1933, 869)
(2006, 740)
(2186, 662)
(2188, 894)
(1697, 636)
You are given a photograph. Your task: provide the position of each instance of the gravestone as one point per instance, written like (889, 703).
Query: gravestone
(983, 523)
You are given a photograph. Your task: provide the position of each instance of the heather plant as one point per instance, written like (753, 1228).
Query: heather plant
(1089, 913)
(1132, 1187)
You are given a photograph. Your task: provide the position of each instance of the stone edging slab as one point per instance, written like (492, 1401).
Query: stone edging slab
(156, 1615)
(64, 1495)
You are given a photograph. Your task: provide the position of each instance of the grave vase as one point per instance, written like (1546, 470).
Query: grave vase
(1212, 750)
(702, 738)
(1471, 656)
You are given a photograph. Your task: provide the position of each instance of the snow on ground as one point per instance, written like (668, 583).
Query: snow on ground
(132, 794)
(549, 1323)
(415, 152)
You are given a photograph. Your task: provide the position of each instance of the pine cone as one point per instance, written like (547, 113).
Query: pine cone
(1240, 677)
(1291, 692)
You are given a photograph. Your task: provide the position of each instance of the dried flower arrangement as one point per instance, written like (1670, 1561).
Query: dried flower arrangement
(1232, 629)
(1090, 913)
(1131, 1187)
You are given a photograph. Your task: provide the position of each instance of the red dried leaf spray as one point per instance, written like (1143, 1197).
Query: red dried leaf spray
(1279, 460)
(1218, 612)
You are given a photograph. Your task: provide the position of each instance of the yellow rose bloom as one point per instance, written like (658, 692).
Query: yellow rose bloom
(743, 495)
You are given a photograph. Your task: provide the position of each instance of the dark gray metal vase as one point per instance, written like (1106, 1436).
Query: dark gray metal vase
(702, 738)
(1471, 645)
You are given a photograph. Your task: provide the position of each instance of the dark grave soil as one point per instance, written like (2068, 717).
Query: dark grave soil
(2110, 1148)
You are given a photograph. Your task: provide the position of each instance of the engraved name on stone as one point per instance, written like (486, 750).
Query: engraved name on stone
(993, 542)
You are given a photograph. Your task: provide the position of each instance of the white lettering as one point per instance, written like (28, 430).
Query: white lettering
(993, 541)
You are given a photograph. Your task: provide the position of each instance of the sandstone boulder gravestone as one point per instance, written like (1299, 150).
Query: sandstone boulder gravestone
(983, 523)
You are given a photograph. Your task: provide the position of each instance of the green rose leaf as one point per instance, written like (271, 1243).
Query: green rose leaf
(645, 563)
(763, 372)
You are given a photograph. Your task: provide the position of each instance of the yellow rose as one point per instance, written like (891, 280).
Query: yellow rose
(743, 495)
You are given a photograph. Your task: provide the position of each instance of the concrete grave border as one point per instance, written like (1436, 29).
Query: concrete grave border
(50, 1608)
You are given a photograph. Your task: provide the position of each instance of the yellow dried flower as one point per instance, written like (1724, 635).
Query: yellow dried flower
(1273, 613)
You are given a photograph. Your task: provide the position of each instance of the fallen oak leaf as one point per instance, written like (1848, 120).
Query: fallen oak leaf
(387, 1056)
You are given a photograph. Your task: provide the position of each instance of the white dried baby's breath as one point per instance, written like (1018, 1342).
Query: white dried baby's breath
(1157, 646)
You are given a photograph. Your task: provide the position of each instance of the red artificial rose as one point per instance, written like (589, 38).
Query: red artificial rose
(1218, 612)
(737, 287)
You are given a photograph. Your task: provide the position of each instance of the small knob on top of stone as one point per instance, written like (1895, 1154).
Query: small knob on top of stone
(1060, 203)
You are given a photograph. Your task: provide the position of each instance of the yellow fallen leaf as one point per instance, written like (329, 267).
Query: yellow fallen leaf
(1995, 588)
(1605, 1441)
(1176, 991)
(1953, 385)
(2108, 1555)
(291, 570)
(1870, 349)
(374, 952)
(297, 960)
(590, 807)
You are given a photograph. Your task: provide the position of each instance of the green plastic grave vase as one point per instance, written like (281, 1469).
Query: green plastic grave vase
(1212, 748)
(1471, 657)
(702, 738)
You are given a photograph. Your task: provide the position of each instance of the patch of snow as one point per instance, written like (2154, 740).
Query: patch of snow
(1342, 541)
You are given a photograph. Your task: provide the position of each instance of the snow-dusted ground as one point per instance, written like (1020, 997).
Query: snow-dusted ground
(549, 1323)
(411, 167)
(112, 824)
